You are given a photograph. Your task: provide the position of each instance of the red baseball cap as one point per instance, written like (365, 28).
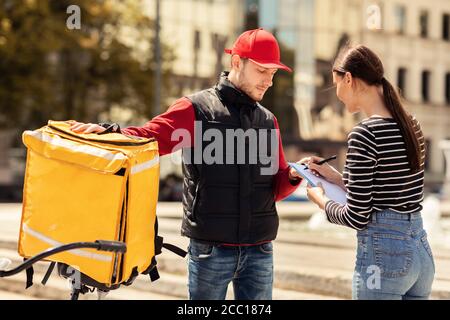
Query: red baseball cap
(261, 47)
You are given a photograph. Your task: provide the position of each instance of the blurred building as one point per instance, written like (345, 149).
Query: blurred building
(413, 40)
(197, 31)
(411, 37)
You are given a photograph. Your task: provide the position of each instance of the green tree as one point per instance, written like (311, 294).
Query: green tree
(48, 71)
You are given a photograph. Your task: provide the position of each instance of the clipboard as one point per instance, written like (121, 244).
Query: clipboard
(332, 191)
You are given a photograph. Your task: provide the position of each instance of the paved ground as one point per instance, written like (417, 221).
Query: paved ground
(313, 259)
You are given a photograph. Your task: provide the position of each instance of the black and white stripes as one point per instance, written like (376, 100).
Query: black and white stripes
(377, 174)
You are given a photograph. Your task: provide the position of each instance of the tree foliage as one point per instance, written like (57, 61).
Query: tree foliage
(48, 71)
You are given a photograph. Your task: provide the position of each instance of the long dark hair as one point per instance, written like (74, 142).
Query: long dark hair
(364, 64)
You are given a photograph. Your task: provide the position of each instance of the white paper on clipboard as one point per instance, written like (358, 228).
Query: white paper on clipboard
(332, 191)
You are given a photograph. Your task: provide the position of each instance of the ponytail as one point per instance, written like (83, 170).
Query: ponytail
(364, 64)
(408, 126)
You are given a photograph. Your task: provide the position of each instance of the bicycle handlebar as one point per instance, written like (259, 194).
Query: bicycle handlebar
(101, 245)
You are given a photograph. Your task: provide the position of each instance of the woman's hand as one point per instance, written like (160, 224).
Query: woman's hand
(326, 171)
(317, 195)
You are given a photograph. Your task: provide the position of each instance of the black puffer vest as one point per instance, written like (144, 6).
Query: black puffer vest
(229, 200)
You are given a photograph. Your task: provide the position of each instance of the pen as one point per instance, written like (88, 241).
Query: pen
(323, 161)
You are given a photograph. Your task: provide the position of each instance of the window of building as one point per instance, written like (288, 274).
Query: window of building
(374, 18)
(400, 19)
(423, 23)
(251, 14)
(197, 42)
(447, 88)
(427, 154)
(446, 27)
(426, 86)
(401, 81)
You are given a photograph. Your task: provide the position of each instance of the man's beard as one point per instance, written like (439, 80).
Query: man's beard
(247, 89)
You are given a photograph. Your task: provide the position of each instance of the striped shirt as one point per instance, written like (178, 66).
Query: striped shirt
(377, 174)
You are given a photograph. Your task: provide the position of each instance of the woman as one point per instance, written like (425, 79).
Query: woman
(383, 177)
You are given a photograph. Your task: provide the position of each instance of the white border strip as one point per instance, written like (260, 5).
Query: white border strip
(145, 165)
(75, 147)
(77, 252)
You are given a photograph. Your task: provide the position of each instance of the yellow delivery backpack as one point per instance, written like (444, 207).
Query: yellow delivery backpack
(84, 187)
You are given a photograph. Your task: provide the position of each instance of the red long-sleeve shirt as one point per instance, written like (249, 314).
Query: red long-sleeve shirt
(181, 116)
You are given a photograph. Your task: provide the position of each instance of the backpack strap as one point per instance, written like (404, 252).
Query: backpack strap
(177, 250)
(152, 270)
(48, 273)
(159, 244)
(30, 273)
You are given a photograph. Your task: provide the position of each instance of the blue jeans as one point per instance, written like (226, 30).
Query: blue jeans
(212, 268)
(394, 260)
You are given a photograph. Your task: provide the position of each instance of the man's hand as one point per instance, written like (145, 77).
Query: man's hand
(293, 174)
(80, 127)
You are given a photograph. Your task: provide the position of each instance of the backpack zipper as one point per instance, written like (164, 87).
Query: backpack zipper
(117, 143)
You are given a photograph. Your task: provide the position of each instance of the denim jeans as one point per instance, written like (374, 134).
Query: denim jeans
(394, 259)
(212, 268)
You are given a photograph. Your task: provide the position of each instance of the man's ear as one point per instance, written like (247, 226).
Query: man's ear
(236, 62)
